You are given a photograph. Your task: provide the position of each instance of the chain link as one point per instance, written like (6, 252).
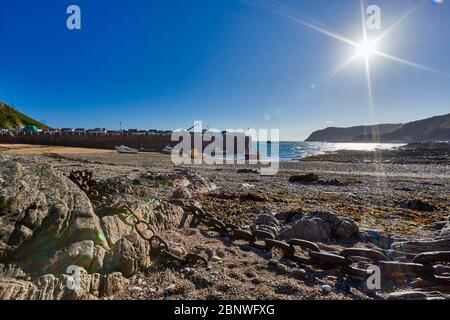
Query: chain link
(421, 265)
(159, 247)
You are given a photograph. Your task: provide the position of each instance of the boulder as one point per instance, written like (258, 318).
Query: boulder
(112, 284)
(115, 228)
(308, 229)
(130, 254)
(51, 287)
(42, 213)
(80, 254)
(319, 226)
(375, 237)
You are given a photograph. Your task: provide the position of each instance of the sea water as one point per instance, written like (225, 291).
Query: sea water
(290, 151)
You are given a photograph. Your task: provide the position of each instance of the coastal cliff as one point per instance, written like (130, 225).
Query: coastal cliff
(430, 129)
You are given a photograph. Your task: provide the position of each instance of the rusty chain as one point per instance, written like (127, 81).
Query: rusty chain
(159, 247)
(84, 180)
(420, 265)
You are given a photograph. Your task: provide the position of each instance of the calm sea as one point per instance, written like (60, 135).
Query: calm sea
(294, 150)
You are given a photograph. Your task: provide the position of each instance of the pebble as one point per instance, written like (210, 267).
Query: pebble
(326, 289)
(170, 289)
(282, 268)
(331, 278)
(215, 258)
(137, 289)
(301, 273)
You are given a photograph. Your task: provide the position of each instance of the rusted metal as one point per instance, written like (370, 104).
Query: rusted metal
(262, 234)
(283, 246)
(144, 232)
(84, 180)
(304, 244)
(431, 257)
(366, 253)
(422, 268)
(328, 259)
(405, 269)
(243, 235)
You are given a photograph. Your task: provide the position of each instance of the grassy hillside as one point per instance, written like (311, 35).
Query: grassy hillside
(13, 119)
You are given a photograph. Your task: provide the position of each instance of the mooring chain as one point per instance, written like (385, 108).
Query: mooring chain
(159, 247)
(422, 265)
(84, 180)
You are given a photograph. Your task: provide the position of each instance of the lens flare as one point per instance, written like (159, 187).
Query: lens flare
(366, 49)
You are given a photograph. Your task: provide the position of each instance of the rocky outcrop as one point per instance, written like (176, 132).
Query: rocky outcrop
(319, 226)
(51, 287)
(185, 180)
(42, 214)
(47, 224)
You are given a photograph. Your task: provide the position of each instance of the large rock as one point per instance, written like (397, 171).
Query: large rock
(319, 226)
(48, 224)
(267, 222)
(308, 229)
(80, 254)
(42, 213)
(50, 287)
(113, 283)
(193, 182)
(130, 254)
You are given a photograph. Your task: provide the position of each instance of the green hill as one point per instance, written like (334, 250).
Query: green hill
(13, 119)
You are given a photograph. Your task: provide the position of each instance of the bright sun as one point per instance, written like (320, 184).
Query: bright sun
(366, 49)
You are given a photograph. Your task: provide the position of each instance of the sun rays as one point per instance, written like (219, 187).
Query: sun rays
(365, 49)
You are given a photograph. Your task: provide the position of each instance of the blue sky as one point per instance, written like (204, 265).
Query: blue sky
(163, 64)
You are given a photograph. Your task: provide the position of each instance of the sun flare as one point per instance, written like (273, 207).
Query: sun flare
(366, 49)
